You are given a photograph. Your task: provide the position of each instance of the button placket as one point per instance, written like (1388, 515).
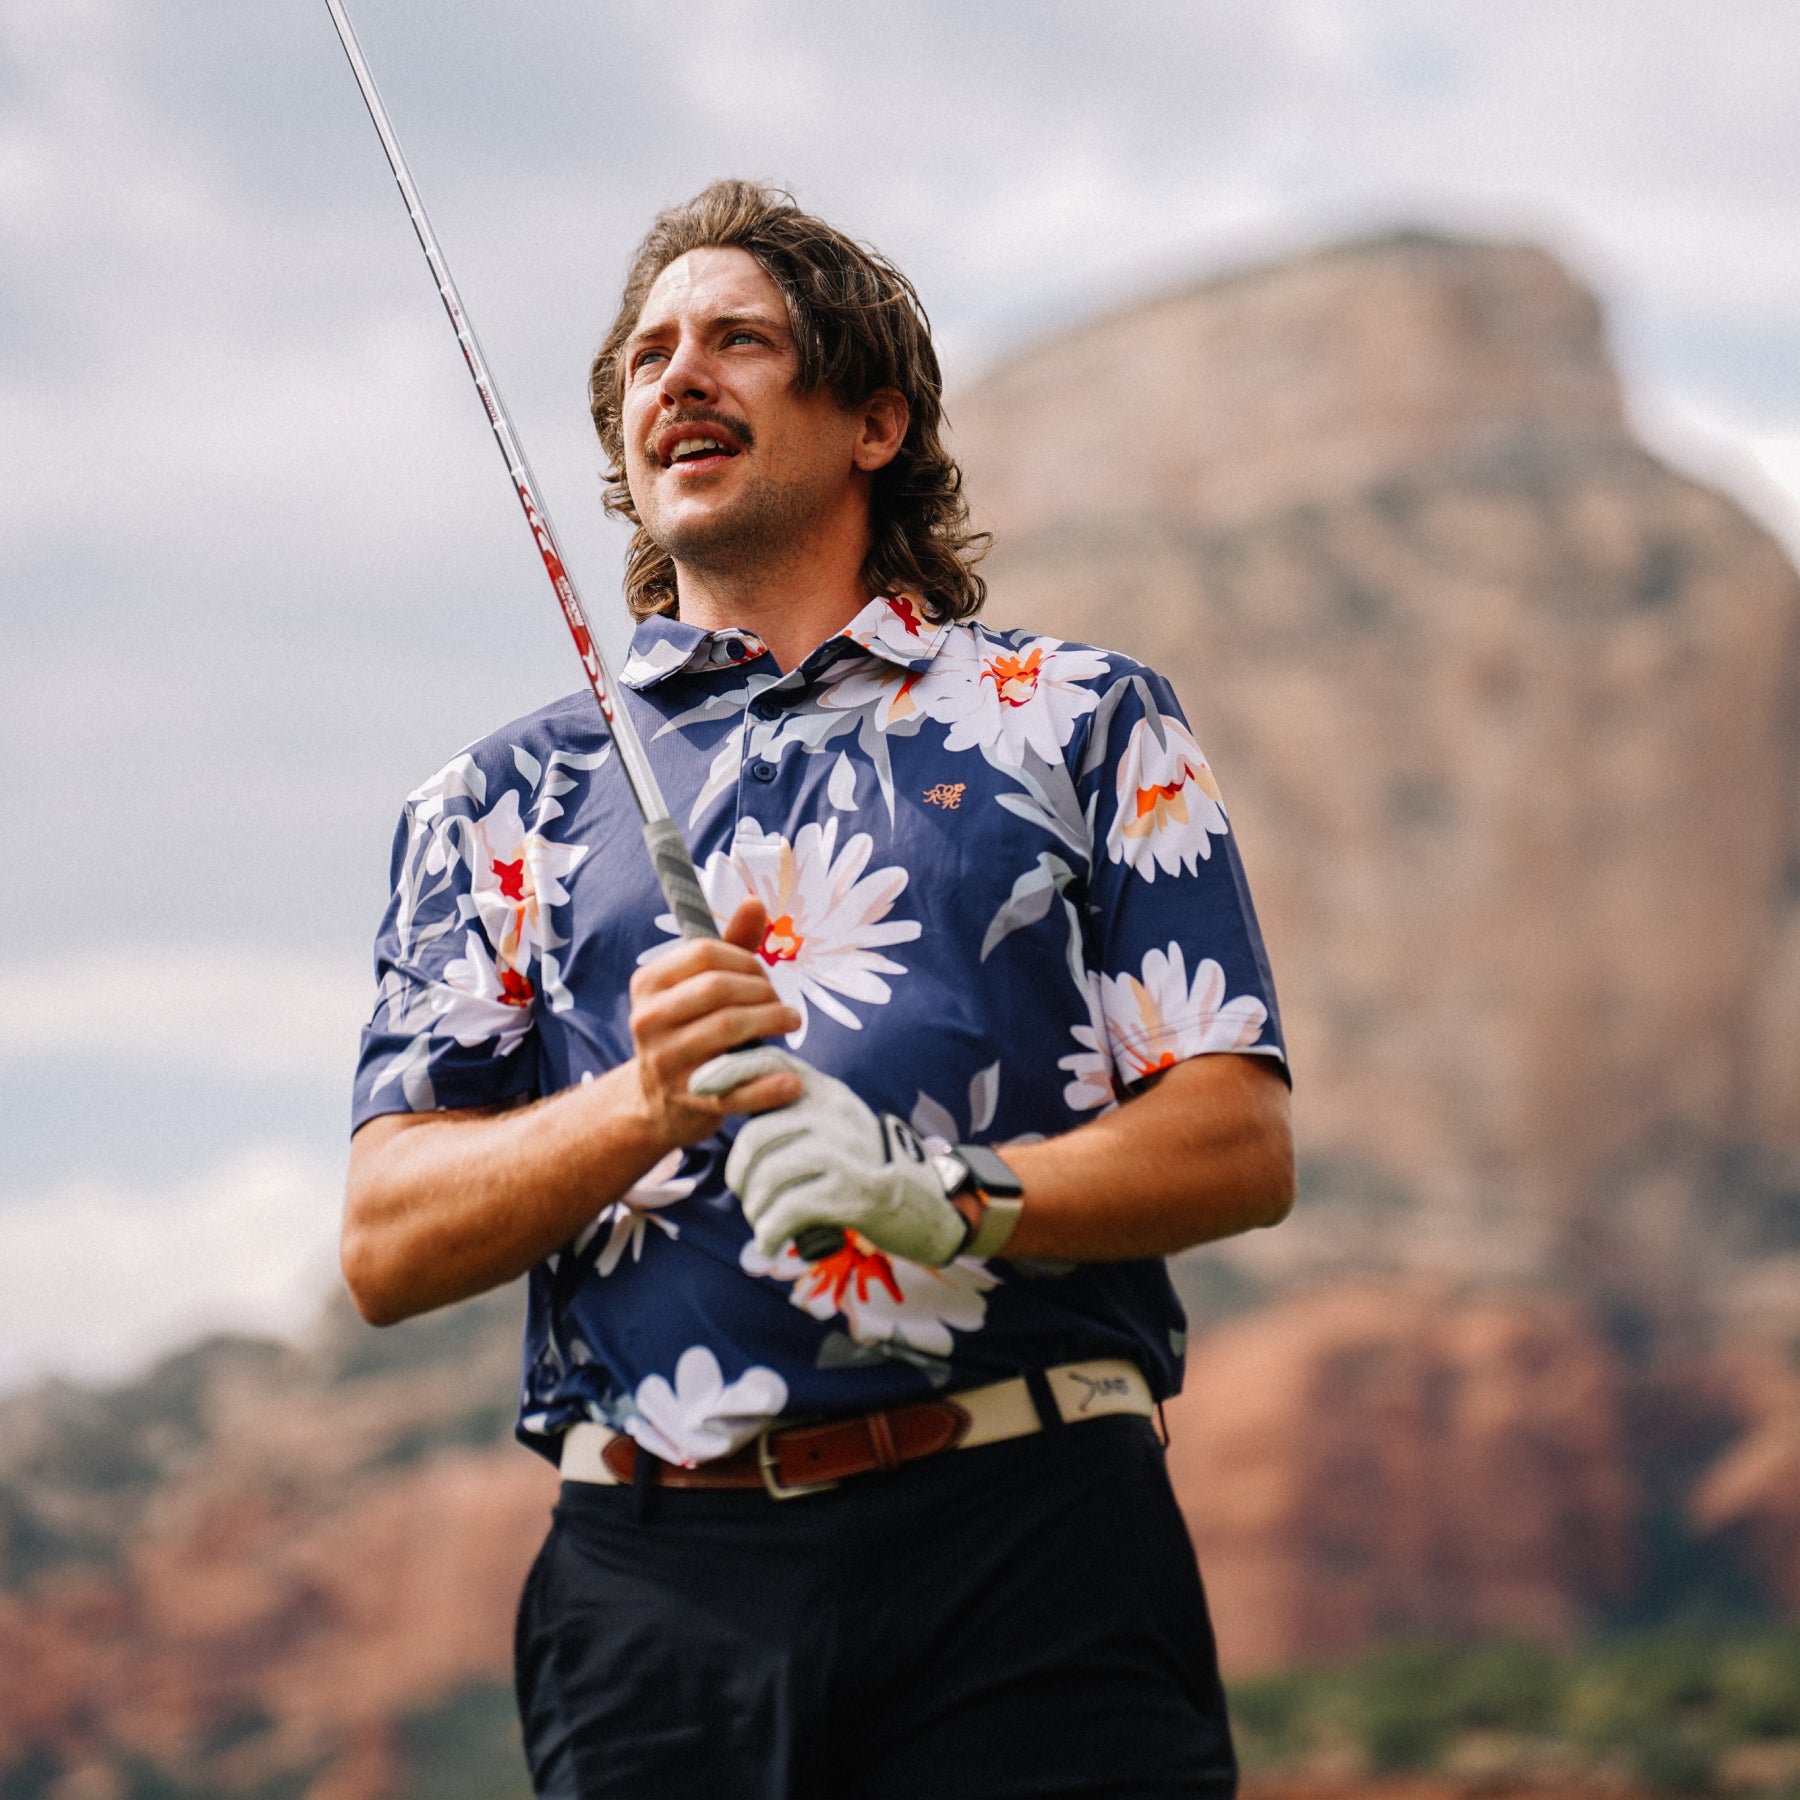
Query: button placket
(764, 715)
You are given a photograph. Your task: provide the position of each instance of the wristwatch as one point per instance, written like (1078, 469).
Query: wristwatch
(985, 1192)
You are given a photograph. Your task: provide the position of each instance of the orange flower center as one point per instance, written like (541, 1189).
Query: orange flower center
(780, 941)
(856, 1266)
(1015, 681)
(1148, 799)
(511, 876)
(515, 990)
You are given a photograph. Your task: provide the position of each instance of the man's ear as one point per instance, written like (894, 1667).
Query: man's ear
(885, 417)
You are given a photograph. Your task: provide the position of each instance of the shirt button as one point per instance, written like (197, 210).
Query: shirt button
(735, 650)
(763, 771)
(768, 709)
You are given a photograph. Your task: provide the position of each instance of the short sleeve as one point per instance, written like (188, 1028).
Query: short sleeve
(454, 1017)
(1177, 964)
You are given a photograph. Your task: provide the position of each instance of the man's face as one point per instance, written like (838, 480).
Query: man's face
(729, 465)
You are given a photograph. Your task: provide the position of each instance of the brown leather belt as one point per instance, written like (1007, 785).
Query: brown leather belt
(789, 1460)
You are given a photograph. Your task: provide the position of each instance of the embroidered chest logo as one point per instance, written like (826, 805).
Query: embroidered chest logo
(947, 794)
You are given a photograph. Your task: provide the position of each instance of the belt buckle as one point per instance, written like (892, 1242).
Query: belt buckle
(771, 1475)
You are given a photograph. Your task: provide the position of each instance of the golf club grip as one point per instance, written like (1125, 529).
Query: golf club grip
(676, 876)
(817, 1243)
(680, 884)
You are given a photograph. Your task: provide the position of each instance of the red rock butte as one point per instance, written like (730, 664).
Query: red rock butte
(1507, 714)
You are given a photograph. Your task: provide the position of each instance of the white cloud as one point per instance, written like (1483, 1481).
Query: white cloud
(97, 1279)
(1756, 462)
(235, 1012)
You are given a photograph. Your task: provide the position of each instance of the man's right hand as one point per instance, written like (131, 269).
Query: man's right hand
(447, 1203)
(694, 1002)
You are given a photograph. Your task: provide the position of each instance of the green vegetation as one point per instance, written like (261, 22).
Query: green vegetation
(1685, 1709)
(467, 1749)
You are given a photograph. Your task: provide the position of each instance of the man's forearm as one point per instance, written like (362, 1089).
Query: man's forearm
(441, 1206)
(1204, 1153)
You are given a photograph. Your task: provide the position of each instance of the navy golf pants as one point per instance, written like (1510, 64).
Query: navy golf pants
(1021, 1620)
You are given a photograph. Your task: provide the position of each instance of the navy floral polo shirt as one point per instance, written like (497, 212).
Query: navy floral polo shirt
(1001, 888)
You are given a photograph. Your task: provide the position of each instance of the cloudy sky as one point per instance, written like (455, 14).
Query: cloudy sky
(260, 570)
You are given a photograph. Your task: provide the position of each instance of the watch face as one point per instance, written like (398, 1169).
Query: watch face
(952, 1171)
(990, 1174)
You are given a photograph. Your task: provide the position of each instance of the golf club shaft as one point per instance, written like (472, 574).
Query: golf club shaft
(668, 852)
(669, 855)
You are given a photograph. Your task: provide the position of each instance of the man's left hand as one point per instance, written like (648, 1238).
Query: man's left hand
(829, 1159)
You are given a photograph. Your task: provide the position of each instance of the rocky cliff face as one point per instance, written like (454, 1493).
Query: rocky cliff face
(248, 1573)
(1505, 712)
(1371, 1463)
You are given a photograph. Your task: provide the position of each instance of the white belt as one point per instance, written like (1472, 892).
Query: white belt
(994, 1413)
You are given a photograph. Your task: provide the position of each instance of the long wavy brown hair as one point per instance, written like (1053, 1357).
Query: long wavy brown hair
(858, 326)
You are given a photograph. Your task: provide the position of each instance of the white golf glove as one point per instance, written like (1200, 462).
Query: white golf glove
(828, 1159)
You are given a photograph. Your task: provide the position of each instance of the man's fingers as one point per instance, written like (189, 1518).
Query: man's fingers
(724, 1073)
(798, 1208)
(747, 925)
(758, 1144)
(683, 960)
(673, 1055)
(664, 1010)
(787, 1163)
(765, 1094)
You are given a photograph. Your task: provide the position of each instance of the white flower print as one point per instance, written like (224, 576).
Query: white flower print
(827, 920)
(896, 622)
(479, 1001)
(700, 1417)
(1090, 1068)
(1169, 807)
(841, 788)
(657, 658)
(883, 1299)
(627, 1220)
(430, 845)
(514, 876)
(886, 690)
(1006, 701)
(936, 1123)
(1159, 1020)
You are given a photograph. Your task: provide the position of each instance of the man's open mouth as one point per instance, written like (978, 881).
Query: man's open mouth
(695, 447)
(699, 450)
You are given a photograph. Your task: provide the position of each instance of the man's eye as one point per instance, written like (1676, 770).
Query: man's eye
(644, 358)
(740, 337)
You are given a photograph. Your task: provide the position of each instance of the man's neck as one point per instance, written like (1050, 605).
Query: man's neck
(791, 609)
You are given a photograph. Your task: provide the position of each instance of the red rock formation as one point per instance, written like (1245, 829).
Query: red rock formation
(323, 1622)
(293, 1556)
(1750, 1497)
(1505, 711)
(1377, 1462)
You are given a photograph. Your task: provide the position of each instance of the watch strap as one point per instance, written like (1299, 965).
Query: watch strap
(985, 1192)
(998, 1220)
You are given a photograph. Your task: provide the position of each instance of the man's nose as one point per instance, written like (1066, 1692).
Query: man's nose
(687, 375)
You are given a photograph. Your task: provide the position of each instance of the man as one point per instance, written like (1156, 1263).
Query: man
(887, 1517)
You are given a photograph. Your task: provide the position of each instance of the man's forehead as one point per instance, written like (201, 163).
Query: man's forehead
(709, 283)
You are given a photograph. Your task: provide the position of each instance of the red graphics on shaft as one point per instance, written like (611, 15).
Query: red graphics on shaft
(669, 854)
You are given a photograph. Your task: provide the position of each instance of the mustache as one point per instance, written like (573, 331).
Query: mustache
(735, 428)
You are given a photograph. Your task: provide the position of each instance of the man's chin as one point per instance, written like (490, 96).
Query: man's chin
(731, 534)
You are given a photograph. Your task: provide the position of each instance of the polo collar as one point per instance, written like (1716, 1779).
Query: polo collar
(661, 647)
(892, 627)
(895, 628)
